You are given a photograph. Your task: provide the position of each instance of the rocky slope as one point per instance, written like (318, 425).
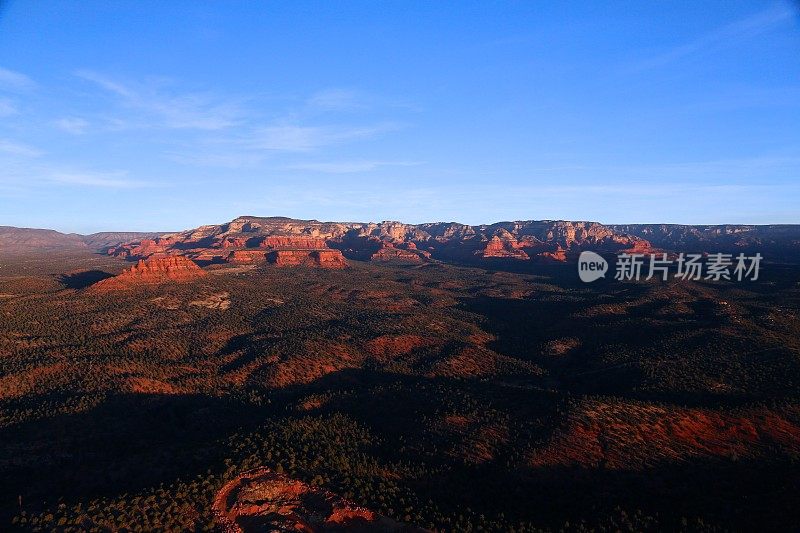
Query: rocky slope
(153, 271)
(262, 500)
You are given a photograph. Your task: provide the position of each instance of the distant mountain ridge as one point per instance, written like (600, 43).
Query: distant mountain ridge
(776, 238)
(287, 241)
(22, 240)
(248, 239)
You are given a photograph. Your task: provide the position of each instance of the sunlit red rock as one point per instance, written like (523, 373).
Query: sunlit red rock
(231, 242)
(246, 256)
(505, 248)
(176, 268)
(389, 252)
(293, 242)
(328, 259)
(382, 242)
(262, 500)
(332, 259)
(559, 254)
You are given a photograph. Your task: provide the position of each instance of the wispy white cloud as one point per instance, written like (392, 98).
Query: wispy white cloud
(252, 147)
(178, 111)
(206, 157)
(348, 167)
(158, 104)
(18, 149)
(73, 125)
(107, 84)
(22, 172)
(7, 108)
(728, 35)
(337, 100)
(296, 138)
(13, 80)
(114, 180)
(351, 100)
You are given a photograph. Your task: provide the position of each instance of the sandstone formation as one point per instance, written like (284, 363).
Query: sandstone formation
(248, 239)
(404, 253)
(315, 258)
(263, 500)
(231, 242)
(246, 256)
(285, 242)
(144, 248)
(153, 271)
(506, 248)
(104, 240)
(328, 259)
(275, 242)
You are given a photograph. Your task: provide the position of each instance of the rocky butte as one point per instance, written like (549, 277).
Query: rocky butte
(153, 271)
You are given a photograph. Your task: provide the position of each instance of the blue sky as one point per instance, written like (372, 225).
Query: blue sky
(168, 115)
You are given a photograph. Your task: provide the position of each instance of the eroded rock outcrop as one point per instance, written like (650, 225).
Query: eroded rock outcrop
(176, 268)
(559, 255)
(328, 259)
(144, 248)
(302, 242)
(263, 500)
(404, 253)
(314, 258)
(503, 247)
(231, 242)
(246, 256)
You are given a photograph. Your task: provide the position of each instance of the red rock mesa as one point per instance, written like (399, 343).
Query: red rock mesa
(152, 271)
